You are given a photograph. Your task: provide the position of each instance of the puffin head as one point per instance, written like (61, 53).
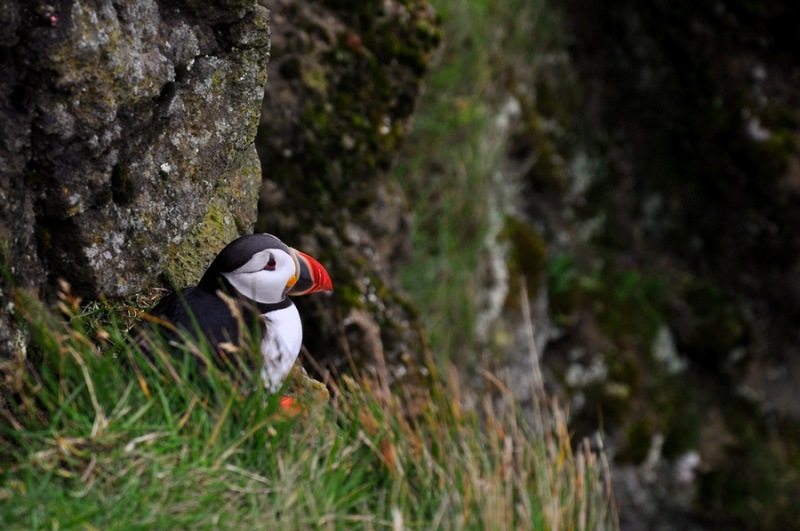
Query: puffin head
(264, 269)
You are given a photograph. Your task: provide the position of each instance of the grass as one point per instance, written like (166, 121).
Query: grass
(448, 163)
(105, 438)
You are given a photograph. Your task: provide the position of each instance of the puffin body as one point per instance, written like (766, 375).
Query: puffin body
(257, 272)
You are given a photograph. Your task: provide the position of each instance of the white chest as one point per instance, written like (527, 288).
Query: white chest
(280, 345)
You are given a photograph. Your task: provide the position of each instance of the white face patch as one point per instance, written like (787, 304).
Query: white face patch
(265, 276)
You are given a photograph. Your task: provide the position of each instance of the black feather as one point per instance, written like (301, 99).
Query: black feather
(206, 317)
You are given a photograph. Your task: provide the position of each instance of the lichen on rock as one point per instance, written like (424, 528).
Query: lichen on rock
(124, 125)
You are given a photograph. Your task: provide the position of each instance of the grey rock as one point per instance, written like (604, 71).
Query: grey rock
(124, 125)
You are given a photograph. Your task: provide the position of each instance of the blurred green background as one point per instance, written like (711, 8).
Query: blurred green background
(636, 164)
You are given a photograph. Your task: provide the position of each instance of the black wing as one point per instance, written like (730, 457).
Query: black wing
(205, 316)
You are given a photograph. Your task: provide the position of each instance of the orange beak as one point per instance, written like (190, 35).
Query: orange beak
(311, 276)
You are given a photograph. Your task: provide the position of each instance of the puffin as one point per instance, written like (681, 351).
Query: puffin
(257, 273)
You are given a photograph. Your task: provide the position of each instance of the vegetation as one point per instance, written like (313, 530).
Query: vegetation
(450, 157)
(102, 437)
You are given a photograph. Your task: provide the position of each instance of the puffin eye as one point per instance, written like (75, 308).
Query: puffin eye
(270, 263)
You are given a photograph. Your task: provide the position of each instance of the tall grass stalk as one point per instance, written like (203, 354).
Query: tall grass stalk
(103, 437)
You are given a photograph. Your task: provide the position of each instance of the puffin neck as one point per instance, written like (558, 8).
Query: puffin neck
(264, 307)
(212, 283)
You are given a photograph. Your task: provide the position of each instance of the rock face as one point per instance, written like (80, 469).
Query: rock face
(124, 126)
(702, 188)
(671, 227)
(345, 81)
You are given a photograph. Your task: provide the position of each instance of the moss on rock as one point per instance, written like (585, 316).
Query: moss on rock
(348, 74)
(232, 212)
(124, 120)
